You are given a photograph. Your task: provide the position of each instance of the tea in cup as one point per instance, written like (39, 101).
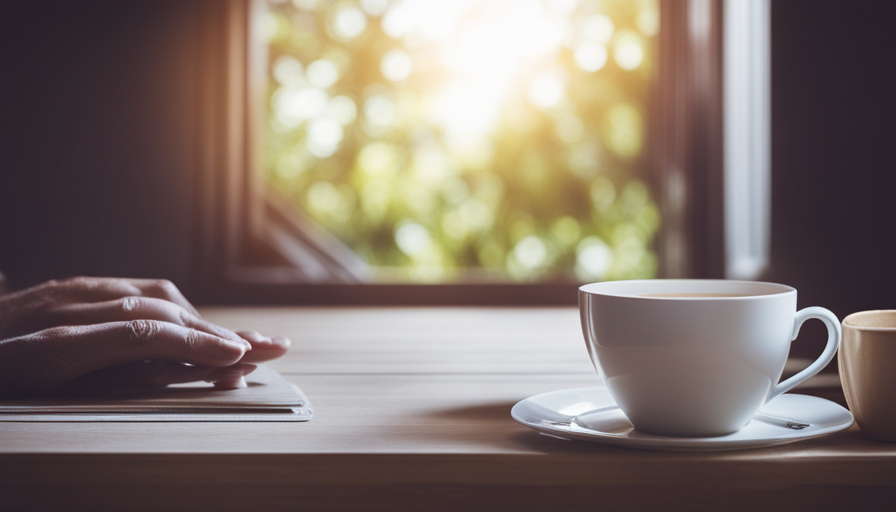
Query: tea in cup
(695, 358)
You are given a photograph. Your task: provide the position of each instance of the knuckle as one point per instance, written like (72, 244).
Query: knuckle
(142, 330)
(184, 317)
(191, 339)
(130, 304)
(165, 285)
(81, 282)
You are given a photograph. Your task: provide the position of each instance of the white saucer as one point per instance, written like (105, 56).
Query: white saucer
(591, 414)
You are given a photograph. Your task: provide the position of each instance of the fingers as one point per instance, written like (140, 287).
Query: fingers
(134, 308)
(159, 374)
(89, 289)
(53, 357)
(97, 289)
(164, 289)
(92, 347)
(231, 383)
(263, 348)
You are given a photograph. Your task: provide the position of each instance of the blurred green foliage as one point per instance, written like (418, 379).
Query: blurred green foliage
(489, 139)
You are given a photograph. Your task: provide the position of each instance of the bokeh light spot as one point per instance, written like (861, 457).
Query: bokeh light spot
(566, 230)
(379, 110)
(594, 259)
(292, 106)
(324, 136)
(287, 71)
(623, 131)
(648, 20)
(374, 7)
(591, 57)
(412, 238)
(342, 109)
(629, 51)
(348, 22)
(397, 21)
(396, 65)
(322, 73)
(378, 159)
(327, 200)
(530, 252)
(597, 28)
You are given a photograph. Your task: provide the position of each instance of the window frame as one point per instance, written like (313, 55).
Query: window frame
(250, 249)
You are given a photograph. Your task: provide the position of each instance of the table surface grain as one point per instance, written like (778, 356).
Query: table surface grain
(412, 404)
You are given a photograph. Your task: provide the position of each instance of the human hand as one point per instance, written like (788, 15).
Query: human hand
(110, 332)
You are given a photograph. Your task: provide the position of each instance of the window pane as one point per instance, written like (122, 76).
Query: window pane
(458, 139)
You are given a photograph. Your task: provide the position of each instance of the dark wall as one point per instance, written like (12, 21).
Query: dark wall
(96, 138)
(834, 152)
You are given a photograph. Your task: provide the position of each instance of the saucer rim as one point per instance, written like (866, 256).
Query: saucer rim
(672, 443)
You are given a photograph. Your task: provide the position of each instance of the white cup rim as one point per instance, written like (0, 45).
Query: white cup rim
(634, 289)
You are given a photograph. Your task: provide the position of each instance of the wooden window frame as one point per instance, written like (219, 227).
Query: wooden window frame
(252, 249)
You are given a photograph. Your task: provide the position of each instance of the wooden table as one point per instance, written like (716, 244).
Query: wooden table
(413, 412)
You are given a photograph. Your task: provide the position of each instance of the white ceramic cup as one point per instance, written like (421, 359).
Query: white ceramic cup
(697, 365)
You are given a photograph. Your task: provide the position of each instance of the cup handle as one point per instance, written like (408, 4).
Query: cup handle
(833, 325)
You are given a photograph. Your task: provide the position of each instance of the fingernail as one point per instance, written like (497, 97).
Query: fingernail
(237, 370)
(243, 344)
(231, 383)
(223, 374)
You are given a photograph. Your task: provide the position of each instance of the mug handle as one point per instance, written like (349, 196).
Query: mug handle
(833, 325)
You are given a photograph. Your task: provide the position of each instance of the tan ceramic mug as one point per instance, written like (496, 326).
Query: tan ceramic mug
(867, 363)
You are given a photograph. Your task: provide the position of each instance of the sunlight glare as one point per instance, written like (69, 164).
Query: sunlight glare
(565, 7)
(466, 112)
(546, 91)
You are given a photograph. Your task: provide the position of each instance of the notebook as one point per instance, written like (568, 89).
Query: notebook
(267, 397)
